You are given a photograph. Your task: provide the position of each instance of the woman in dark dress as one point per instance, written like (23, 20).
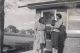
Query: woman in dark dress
(58, 35)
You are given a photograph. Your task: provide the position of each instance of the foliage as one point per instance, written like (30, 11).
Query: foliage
(11, 28)
(30, 31)
(22, 31)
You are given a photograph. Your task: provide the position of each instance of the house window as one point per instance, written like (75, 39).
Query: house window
(73, 20)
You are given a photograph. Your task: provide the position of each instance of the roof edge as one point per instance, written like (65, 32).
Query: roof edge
(49, 4)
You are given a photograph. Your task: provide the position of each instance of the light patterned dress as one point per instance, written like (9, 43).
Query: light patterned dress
(39, 36)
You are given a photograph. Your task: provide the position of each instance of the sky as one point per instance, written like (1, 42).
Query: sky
(22, 18)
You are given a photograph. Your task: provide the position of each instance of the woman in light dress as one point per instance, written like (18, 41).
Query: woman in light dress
(39, 41)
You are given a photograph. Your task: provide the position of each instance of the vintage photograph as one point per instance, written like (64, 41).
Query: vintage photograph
(39, 26)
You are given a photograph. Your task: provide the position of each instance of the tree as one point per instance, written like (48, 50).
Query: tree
(1, 25)
(11, 28)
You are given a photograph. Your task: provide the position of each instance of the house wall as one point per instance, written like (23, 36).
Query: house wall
(72, 43)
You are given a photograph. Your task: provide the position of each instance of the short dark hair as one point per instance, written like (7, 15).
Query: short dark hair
(41, 20)
(59, 15)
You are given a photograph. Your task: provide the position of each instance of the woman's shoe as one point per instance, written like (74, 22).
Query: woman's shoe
(54, 50)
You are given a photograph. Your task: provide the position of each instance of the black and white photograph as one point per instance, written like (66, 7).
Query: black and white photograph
(39, 26)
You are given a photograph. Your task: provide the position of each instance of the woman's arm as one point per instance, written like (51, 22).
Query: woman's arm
(58, 24)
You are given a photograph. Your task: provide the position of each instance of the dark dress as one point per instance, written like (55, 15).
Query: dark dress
(62, 37)
(58, 38)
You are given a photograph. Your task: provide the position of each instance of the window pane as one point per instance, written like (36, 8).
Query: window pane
(74, 19)
(74, 22)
